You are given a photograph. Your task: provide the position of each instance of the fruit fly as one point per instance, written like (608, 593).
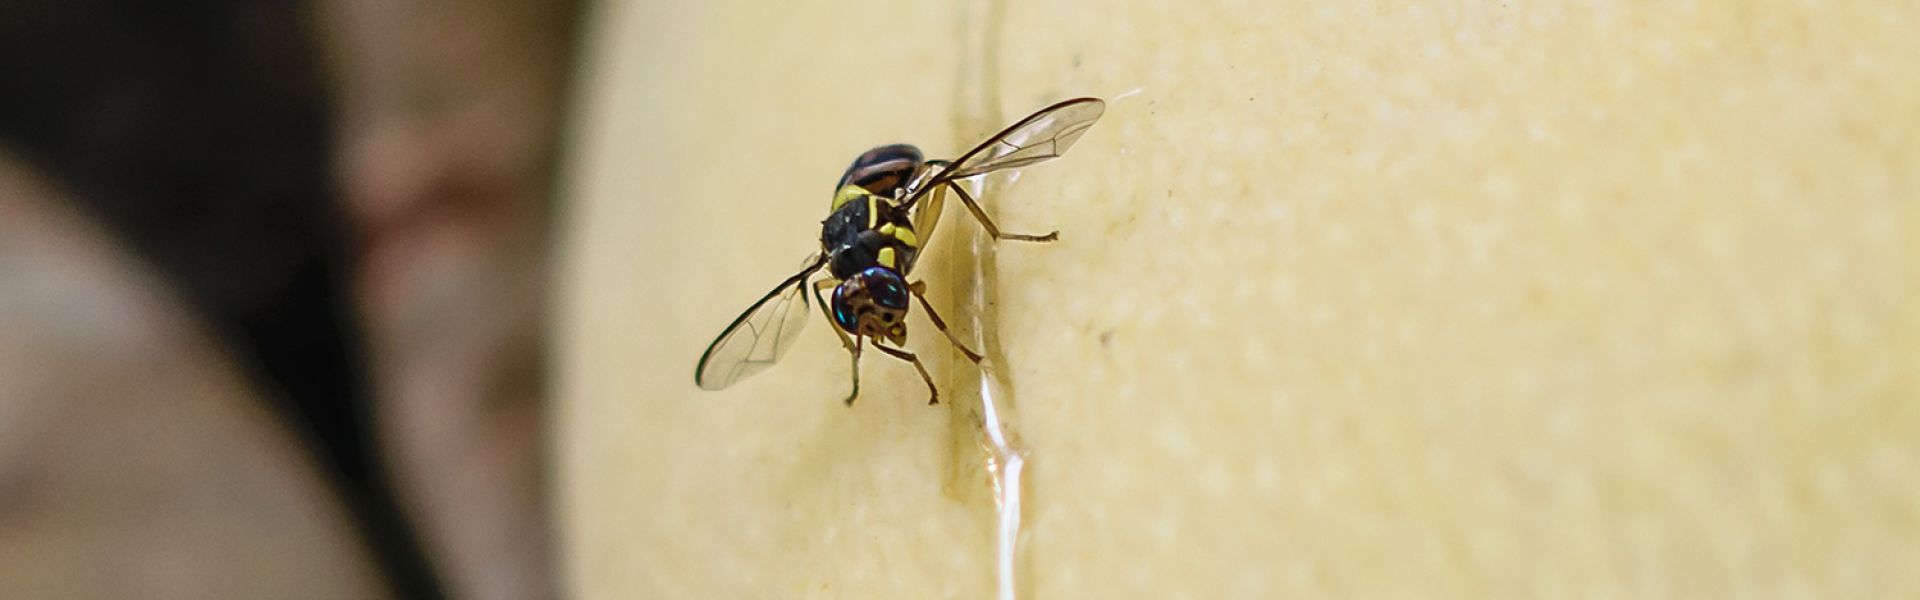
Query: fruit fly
(884, 210)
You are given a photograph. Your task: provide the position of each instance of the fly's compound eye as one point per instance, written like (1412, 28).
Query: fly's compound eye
(844, 314)
(888, 317)
(886, 287)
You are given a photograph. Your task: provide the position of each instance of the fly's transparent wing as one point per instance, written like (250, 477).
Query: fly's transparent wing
(1038, 138)
(758, 337)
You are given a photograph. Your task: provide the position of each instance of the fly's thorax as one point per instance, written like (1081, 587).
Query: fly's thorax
(872, 303)
(867, 231)
(848, 194)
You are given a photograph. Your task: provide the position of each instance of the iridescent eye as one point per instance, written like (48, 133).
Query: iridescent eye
(886, 287)
(842, 313)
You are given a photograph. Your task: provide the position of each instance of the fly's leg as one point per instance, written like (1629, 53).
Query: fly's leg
(993, 230)
(855, 367)
(919, 289)
(852, 343)
(827, 310)
(934, 398)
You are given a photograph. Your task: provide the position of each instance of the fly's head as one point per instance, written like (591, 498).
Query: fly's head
(873, 303)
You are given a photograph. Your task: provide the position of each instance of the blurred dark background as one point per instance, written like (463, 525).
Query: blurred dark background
(336, 213)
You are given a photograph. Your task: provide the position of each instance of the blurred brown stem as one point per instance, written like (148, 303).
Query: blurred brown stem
(449, 118)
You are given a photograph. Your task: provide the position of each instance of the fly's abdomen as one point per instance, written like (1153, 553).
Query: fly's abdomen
(883, 170)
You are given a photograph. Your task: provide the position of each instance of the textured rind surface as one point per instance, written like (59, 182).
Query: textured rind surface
(1491, 299)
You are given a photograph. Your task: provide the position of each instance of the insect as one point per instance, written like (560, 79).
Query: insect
(884, 210)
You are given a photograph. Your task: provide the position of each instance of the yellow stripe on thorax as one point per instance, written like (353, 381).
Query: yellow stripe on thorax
(847, 194)
(886, 258)
(904, 234)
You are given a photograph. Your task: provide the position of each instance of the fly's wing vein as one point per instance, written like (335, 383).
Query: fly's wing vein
(1040, 137)
(758, 337)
